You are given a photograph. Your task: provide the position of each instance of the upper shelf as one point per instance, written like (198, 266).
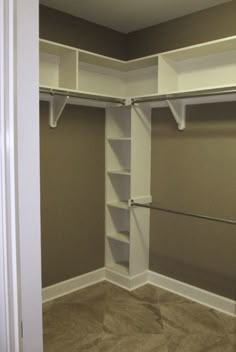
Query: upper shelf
(204, 66)
(196, 74)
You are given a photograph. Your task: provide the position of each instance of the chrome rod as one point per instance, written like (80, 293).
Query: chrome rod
(185, 95)
(106, 99)
(193, 215)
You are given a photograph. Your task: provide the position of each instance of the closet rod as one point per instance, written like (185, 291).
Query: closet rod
(81, 95)
(193, 215)
(185, 95)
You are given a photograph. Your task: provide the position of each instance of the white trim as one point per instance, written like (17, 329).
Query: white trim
(26, 54)
(124, 281)
(209, 299)
(206, 298)
(199, 45)
(10, 309)
(65, 287)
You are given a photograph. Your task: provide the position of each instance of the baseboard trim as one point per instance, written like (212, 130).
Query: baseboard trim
(63, 288)
(209, 299)
(128, 283)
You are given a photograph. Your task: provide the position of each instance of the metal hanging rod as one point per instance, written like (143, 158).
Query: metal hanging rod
(102, 98)
(193, 215)
(186, 95)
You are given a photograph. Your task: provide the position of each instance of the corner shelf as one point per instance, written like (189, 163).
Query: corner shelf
(190, 71)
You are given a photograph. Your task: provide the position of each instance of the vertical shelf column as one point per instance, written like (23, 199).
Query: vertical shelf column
(128, 168)
(118, 163)
(140, 187)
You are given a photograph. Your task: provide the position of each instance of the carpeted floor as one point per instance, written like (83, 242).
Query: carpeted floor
(106, 318)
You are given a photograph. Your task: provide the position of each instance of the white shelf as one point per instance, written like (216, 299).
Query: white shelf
(204, 66)
(121, 139)
(121, 267)
(58, 66)
(119, 172)
(122, 236)
(119, 205)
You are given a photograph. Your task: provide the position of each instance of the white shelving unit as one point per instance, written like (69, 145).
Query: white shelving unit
(203, 73)
(128, 147)
(118, 171)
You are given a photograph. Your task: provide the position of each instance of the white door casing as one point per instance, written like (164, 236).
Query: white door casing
(20, 255)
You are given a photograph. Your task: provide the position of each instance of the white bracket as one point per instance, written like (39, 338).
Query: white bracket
(178, 109)
(128, 101)
(141, 200)
(57, 105)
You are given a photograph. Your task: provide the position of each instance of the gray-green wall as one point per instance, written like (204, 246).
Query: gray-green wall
(191, 170)
(66, 29)
(72, 193)
(214, 23)
(195, 171)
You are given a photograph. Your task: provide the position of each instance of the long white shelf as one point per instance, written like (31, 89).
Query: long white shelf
(198, 96)
(198, 74)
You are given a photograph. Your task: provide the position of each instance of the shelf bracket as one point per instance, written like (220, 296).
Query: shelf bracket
(57, 105)
(142, 200)
(178, 110)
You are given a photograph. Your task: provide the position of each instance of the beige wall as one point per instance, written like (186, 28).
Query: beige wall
(72, 193)
(214, 23)
(66, 29)
(195, 171)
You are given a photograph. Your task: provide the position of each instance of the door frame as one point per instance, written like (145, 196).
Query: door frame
(20, 248)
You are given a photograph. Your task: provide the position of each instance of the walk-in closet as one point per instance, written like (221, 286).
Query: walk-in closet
(138, 175)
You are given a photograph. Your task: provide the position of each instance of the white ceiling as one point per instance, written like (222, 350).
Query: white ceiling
(130, 15)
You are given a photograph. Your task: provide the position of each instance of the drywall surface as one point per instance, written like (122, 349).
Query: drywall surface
(214, 23)
(195, 171)
(73, 31)
(72, 193)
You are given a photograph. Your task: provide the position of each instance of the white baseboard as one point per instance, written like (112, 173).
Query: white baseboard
(128, 283)
(209, 299)
(63, 288)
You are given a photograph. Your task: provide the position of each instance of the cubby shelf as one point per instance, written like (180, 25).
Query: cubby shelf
(121, 267)
(124, 139)
(119, 204)
(122, 236)
(119, 172)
